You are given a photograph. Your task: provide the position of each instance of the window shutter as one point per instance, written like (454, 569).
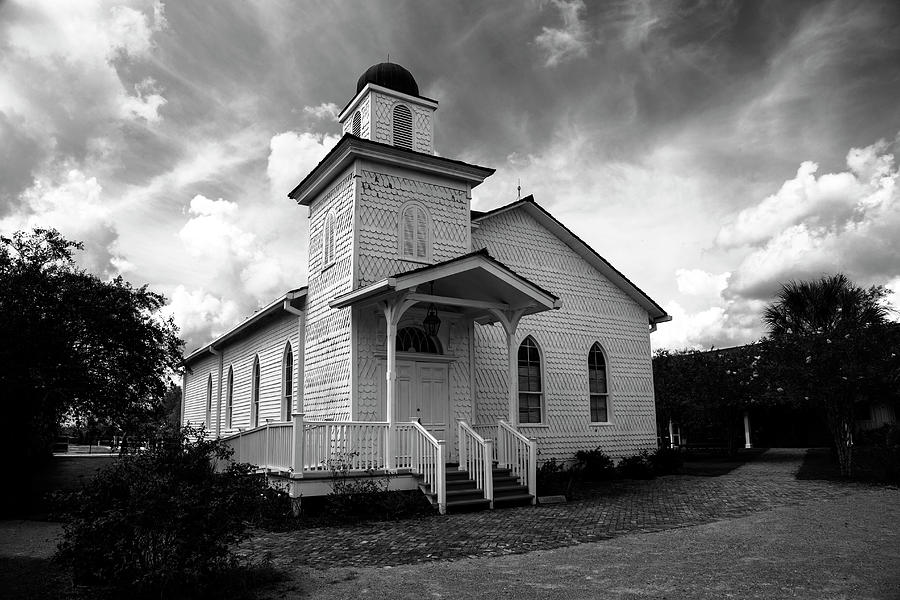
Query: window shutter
(409, 232)
(402, 127)
(357, 124)
(421, 234)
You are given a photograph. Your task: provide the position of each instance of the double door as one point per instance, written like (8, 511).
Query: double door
(423, 395)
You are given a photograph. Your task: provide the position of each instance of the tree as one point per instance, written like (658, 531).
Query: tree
(833, 346)
(75, 346)
(709, 391)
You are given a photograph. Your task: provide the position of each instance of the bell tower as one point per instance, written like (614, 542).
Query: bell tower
(387, 108)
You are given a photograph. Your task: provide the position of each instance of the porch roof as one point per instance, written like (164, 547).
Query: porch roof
(476, 283)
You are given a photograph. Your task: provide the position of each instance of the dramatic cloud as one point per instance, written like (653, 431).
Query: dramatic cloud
(568, 42)
(326, 110)
(200, 316)
(293, 155)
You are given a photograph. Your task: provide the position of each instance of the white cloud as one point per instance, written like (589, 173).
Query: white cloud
(568, 42)
(326, 110)
(697, 282)
(293, 155)
(73, 203)
(847, 222)
(200, 316)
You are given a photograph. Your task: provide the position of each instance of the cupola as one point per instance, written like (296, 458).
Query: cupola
(387, 108)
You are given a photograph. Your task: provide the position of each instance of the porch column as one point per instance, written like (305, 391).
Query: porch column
(747, 429)
(393, 310)
(671, 435)
(510, 321)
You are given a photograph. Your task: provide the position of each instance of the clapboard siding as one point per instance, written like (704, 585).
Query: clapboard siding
(195, 391)
(593, 310)
(266, 340)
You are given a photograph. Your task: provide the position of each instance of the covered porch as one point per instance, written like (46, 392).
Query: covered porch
(474, 287)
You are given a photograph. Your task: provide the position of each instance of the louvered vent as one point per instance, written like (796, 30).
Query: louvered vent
(357, 124)
(402, 127)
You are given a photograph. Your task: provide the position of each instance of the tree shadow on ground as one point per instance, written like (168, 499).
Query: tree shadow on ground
(57, 474)
(30, 577)
(820, 464)
(717, 463)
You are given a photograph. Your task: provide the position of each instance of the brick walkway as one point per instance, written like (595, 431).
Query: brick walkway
(612, 509)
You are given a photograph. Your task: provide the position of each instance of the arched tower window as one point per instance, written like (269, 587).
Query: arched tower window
(209, 392)
(531, 391)
(229, 398)
(413, 339)
(254, 394)
(597, 385)
(287, 383)
(328, 240)
(403, 136)
(357, 124)
(415, 233)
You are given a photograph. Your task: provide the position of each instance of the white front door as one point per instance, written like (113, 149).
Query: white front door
(423, 394)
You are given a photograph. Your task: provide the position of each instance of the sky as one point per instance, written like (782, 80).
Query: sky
(709, 150)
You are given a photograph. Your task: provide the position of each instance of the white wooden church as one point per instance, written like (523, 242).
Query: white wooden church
(429, 333)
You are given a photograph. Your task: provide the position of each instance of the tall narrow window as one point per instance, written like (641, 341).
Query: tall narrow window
(415, 233)
(229, 398)
(357, 124)
(254, 394)
(209, 386)
(287, 383)
(530, 390)
(328, 240)
(403, 127)
(597, 385)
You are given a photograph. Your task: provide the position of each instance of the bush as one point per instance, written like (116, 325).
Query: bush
(639, 466)
(161, 522)
(667, 460)
(595, 465)
(553, 478)
(354, 498)
(876, 454)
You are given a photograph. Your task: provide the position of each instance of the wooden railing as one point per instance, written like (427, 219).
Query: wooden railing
(519, 455)
(268, 446)
(419, 451)
(476, 457)
(352, 445)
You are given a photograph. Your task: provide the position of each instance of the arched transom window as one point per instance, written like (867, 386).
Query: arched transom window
(209, 394)
(415, 233)
(597, 385)
(287, 383)
(403, 134)
(531, 389)
(254, 394)
(413, 339)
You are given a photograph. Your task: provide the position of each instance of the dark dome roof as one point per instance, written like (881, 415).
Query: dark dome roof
(389, 75)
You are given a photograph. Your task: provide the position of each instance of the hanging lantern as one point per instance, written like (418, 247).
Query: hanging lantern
(432, 323)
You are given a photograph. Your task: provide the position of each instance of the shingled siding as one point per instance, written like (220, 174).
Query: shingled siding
(268, 341)
(383, 116)
(382, 195)
(594, 310)
(327, 379)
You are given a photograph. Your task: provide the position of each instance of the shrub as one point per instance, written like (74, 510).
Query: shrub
(667, 460)
(876, 454)
(161, 522)
(639, 466)
(553, 478)
(595, 465)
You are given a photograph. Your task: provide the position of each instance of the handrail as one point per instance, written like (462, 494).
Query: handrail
(424, 454)
(519, 455)
(476, 457)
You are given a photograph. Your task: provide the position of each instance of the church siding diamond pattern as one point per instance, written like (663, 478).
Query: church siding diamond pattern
(327, 379)
(382, 195)
(594, 309)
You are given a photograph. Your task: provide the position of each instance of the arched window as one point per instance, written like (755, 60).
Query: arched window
(357, 124)
(413, 339)
(597, 385)
(287, 383)
(403, 127)
(209, 401)
(415, 233)
(229, 398)
(328, 240)
(531, 389)
(254, 394)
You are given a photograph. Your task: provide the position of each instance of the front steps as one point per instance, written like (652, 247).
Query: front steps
(462, 495)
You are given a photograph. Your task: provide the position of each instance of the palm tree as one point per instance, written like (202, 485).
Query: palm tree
(829, 335)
